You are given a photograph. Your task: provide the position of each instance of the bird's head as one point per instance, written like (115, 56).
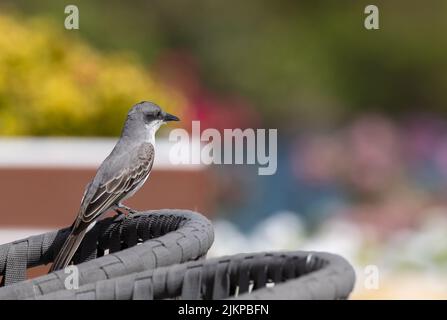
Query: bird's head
(150, 114)
(144, 119)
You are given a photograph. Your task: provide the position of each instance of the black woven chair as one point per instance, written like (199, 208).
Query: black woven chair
(276, 275)
(166, 265)
(165, 237)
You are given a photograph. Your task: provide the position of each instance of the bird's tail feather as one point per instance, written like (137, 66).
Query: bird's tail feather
(68, 250)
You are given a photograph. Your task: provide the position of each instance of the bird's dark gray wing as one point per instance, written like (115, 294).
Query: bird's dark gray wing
(110, 192)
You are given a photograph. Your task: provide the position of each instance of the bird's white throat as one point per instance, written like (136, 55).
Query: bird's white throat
(151, 129)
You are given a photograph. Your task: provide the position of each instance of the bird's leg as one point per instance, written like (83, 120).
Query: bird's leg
(119, 212)
(129, 210)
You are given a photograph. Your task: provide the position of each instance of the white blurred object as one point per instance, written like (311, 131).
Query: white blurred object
(282, 231)
(337, 236)
(424, 248)
(13, 234)
(285, 230)
(57, 152)
(227, 240)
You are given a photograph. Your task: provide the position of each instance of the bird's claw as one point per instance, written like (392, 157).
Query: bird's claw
(119, 212)
(129, 214)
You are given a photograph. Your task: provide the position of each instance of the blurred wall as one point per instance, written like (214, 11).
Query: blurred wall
(43, 189)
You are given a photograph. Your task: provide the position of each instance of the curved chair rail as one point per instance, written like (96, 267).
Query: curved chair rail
(275, 275)
(164, 237)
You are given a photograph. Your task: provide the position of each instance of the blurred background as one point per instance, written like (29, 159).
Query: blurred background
(361, 118)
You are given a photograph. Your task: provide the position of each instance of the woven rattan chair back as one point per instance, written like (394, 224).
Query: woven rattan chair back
(164, 237)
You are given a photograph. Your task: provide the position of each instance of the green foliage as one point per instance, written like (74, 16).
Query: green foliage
(53, 83)
(297, 61)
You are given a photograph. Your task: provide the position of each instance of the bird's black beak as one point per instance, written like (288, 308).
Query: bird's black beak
(169, 117)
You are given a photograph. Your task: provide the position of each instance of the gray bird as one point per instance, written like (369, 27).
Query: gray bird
(120, 175)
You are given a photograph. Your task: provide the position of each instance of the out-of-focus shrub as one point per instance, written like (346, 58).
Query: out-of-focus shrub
(53, 83)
